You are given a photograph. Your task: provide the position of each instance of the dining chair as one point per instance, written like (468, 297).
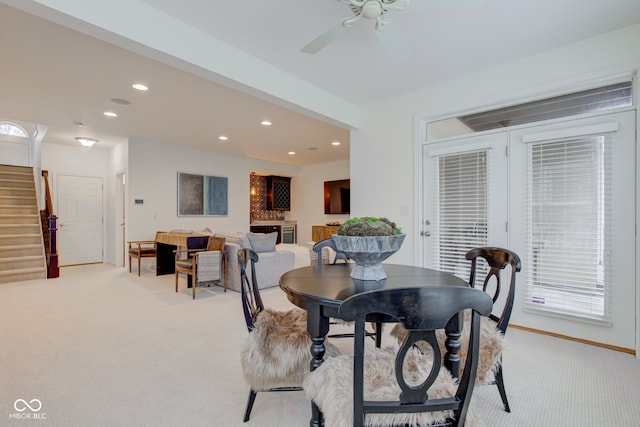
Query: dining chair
(495, 262)
(339, 255)
(202, 265)
(277, 353)
(398, 386)
(141, 249)
(329, 243)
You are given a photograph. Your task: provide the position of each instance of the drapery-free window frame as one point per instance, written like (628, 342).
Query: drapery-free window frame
(202, 195)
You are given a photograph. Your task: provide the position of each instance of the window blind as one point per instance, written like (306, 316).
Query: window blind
(568, 187)
(462, 209)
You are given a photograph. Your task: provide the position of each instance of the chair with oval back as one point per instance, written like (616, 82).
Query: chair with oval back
(341, 256)
(496, 260)
(329, 243)
(401, 386)
(277, 353)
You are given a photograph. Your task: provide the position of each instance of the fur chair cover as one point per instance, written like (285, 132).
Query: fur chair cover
(491, 345)
(277, 352)
(330, 386)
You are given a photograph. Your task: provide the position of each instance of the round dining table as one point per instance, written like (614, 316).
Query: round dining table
(320, 289)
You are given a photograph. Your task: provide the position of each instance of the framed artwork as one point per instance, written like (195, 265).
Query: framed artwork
(202, 195)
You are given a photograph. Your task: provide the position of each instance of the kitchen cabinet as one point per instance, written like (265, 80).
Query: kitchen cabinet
(278, 193)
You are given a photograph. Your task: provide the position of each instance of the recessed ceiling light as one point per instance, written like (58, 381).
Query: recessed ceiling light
(140, 86)
(86, 142)
(223, 138)
(291, 153)
(110, 114)
(265, 123)
(336, 143)
(120, 101)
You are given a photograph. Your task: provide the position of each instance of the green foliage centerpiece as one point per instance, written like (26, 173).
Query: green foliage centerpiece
(368, 241)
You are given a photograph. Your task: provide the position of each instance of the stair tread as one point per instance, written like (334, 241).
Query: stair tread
(25, 246)
(22, 259)
(22, 271)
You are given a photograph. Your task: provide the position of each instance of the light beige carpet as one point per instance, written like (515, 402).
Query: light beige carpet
(102, 347)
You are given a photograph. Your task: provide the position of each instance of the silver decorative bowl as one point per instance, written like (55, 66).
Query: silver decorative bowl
(368, 252)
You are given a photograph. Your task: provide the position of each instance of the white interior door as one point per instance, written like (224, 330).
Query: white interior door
(79, 220)
(465, 186)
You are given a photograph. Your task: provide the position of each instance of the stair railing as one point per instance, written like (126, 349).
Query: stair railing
(50, 230)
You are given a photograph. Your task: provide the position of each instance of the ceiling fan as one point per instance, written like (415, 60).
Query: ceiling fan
(369, 9)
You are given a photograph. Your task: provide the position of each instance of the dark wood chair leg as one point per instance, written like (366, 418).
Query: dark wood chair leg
(252, 398)
(501, 389)
(176, 281)
(129, 264)
(139, 266)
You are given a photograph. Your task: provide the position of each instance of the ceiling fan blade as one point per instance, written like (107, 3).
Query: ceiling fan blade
(393, 42)
(432, 5)
(325, 38)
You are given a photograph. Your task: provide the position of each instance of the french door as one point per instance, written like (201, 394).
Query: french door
(465, 203)
(559, 194)
(573, 225)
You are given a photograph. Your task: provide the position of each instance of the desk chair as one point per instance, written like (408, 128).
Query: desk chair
(141, 249)
(495, 262)
(277, 352)
(401, 386)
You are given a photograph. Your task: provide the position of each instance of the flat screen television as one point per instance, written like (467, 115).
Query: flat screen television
(337, 197)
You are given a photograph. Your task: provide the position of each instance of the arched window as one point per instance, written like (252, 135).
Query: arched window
(9, 128)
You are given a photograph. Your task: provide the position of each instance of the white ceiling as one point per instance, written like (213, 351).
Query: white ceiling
(55, 75)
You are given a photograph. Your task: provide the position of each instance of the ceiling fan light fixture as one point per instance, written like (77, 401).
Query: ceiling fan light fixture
(371, 9)
(86, 142)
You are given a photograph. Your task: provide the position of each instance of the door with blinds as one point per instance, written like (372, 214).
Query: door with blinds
(465, 196)
(573, 225)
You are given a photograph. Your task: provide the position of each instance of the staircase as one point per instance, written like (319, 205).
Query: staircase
(22, 254)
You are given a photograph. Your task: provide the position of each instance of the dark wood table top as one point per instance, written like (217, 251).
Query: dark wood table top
(330, 284)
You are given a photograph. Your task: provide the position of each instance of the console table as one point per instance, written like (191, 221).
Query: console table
(321, 232)
(168, 242)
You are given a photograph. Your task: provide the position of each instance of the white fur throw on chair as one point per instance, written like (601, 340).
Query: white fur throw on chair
(277, 352)
(491, 345)
(330, 386)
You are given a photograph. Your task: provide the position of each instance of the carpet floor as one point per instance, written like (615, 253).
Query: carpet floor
(102, 347)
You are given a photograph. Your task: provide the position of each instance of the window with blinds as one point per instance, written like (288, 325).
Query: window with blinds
(461, 209)
(567, 226)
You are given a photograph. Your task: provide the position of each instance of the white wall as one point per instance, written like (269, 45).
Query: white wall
(384, 150)
(152, 176)
(307, 196)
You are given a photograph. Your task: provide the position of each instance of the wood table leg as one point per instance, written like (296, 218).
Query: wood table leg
(318, 327)
(452, 344)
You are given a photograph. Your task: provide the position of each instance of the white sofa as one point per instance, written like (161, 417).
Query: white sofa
(271, 264)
